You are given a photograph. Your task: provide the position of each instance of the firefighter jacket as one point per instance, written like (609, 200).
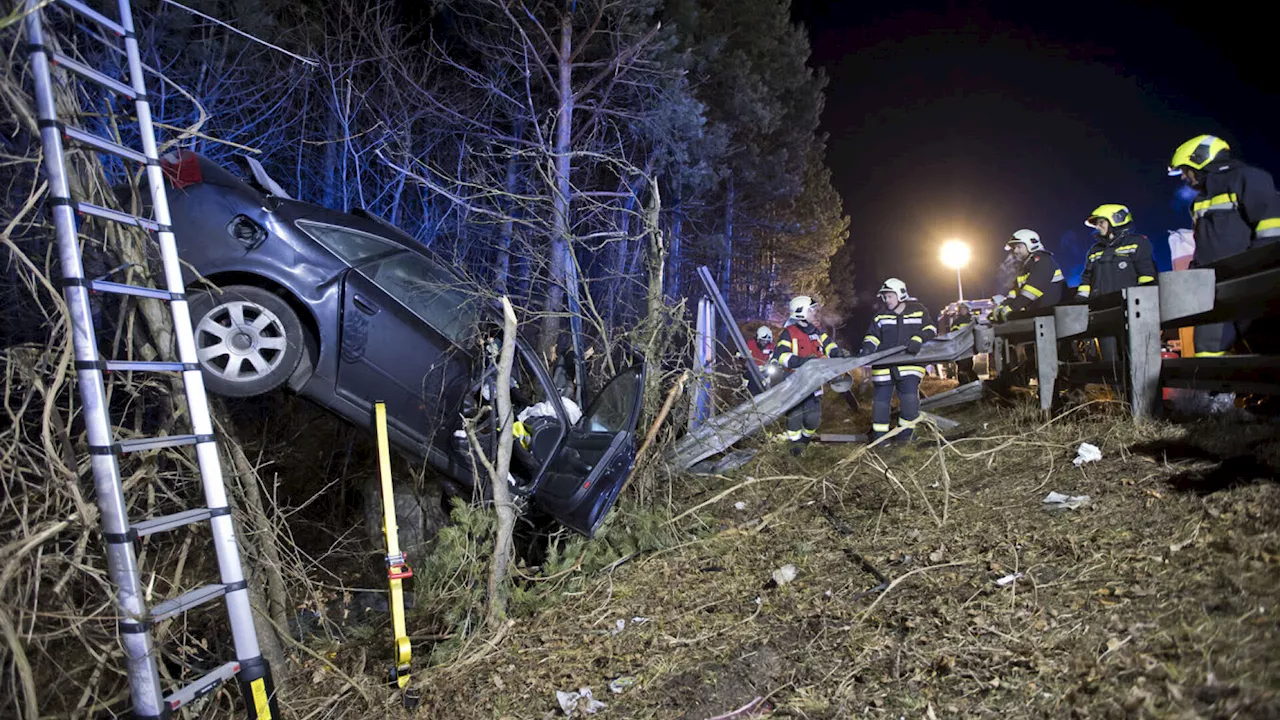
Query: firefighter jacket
(1040, 283)
(800, 341)
(1238, 208)
(911, 327)
(761, 355)
(1122, 261)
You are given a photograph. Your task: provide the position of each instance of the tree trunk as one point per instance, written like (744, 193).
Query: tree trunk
(502, 542)
(503, 261)
(656, 301)
(562, 270)
(726, 272)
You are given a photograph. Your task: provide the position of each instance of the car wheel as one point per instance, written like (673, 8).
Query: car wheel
(248, 340)
(419, 517)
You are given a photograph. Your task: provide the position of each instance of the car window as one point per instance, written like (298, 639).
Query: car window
(611, 410)
(352, 246)
(431, 292)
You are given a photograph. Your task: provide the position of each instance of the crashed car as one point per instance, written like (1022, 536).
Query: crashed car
(347, 310)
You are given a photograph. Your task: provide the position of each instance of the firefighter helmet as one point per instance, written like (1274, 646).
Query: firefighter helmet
(764, 334)
(1117, 215)
(799, 304)
(1196, 153)
(1028, 238)
(894, 285)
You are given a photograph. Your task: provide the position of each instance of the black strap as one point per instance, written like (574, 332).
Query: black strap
(113, 449)
(91, 365)
(219, 511)
(233, 587)
(132, 627)
(124, 538)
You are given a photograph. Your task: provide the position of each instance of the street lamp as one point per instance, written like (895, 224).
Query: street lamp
(955, 255)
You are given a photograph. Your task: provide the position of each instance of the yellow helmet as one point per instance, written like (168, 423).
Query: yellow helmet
(1117, 215)
(1196, 153)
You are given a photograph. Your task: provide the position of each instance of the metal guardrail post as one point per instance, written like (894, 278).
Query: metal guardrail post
(1046, 359)
(1142, 313)
(704, 354)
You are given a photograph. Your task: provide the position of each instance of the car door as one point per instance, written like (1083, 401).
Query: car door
(587, 472)
(401, 333)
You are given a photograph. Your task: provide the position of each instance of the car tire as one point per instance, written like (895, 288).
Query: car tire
(420, 517)
(249, 341)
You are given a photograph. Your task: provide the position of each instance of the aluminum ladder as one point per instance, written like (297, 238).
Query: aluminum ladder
(135, 619)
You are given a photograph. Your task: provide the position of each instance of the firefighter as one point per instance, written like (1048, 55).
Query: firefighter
(904, 322)
(1040, 283)
(962, 317)
(801, 342)
(1236, 208)
(1121, 258)
(761, 349)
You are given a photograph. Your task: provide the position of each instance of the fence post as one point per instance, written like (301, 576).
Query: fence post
(1142, 323)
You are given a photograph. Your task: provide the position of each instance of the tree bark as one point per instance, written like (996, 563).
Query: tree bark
(502, 542)
(726, 272)
(562, 270)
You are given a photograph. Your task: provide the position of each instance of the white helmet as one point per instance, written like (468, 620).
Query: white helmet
(764, 334)
(1029, 238)
(894, 285)
(799, 304)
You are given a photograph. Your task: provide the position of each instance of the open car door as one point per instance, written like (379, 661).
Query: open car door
(587, 471)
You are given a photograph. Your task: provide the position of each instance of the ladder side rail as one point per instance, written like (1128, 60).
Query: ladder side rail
(240, 613)
(122, 564)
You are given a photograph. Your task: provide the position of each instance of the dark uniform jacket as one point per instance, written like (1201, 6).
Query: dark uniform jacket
(1040, 283)
(1237, 209)
(1123, 261)
(912, 327)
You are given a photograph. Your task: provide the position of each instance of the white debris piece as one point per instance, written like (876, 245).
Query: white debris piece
(620, 625)
(1058, 501)
(1087, 453)
(620, 684)
(784, 574)
(739, 505)
(1008, 579)
(570, 702)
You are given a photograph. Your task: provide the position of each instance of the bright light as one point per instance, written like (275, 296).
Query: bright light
(955, 254)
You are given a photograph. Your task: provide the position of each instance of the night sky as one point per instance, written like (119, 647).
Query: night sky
(950, 120)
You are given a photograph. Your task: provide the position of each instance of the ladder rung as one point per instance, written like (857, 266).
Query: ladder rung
(95, 16)
(203, 686)
(107, 286)
(104, 145)
(187, 601)
(157, 443)
(171, 522)
(89, 73)
(145, 366)
(117, 216)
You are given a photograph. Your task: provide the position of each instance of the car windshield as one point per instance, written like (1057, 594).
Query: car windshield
(352, 246)
(429, 290)
(611, 410)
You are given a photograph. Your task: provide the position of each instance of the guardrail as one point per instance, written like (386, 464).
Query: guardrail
(1240, 287)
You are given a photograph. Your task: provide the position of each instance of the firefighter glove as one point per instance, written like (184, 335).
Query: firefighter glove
(1001, 314)
(839, 353)
(913, 346)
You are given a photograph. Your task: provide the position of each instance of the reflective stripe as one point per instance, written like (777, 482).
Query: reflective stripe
(1083, 290)
(1127, 249)
(785, 344)
(1144, 279)
(872, 339)
(930, 327)
(917, 338)
(785, 358)
(912, 321)
(1057, 276)
(1095, 256)
(1268, 228)
(806, 432)
(908, 423)
(1224, 201)
(794, 435)
(880, 372)
(1030, 292)
(911, 373)
(1211, 354)
(880, 427)
(910, 368)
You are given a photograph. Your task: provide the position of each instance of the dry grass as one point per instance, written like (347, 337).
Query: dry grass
(1155, 600)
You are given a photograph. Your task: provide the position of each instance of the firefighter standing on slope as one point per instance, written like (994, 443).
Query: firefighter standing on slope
(1236, 208)
(904, 322)
(1040, 281)
(761, 349)
(1121, 258)
(801, 342)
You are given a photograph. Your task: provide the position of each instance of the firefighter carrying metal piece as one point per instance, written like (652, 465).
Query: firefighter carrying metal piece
(801, 342)
(761, 349)
(957, 316)
(1120, 258)
(905, 321)
(1236, 208)
(1040, 282)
